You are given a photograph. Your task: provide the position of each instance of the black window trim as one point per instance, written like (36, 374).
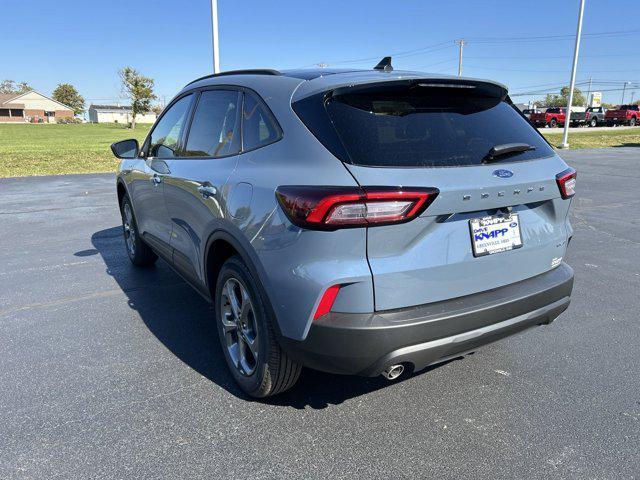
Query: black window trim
(190, 114)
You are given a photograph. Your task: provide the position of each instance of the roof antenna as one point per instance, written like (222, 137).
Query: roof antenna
(384, 64)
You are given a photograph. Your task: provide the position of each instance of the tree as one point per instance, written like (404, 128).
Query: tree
(67, 94)
(157, 109)
(562, 99)
(139, 90)
(9, 86)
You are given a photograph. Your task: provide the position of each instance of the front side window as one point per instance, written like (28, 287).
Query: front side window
(258, 126)
(215, 131)
(165, 137)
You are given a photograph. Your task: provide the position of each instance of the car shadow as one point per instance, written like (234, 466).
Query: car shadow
(183, 321)
(622, 145)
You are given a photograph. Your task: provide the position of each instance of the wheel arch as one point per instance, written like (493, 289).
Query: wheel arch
(222, 244)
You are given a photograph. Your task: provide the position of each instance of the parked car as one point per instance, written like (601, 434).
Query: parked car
(362, 222)
(552, 117)
(623, 115)
(528, 111)
(592, 116)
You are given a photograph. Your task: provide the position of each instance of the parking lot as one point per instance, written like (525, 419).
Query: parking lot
(107, 370)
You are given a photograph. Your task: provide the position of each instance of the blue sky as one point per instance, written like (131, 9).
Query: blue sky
(86, 42)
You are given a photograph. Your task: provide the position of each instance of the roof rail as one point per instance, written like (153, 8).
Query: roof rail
(254, 71)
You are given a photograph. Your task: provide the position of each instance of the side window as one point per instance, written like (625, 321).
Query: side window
(258, 127)
(165, 136)
(215, 131)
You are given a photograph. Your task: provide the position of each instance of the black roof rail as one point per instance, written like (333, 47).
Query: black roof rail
(254, 71)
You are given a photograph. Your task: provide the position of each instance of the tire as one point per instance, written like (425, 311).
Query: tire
(632, 122)
(265, 369)
(593, 122)
(139, 252)
(553, 123)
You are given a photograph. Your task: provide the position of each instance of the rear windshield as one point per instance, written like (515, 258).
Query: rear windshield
(422, 126)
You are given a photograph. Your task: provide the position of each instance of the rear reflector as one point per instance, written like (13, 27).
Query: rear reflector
(326, 302)
(330, 208)
(567, 182)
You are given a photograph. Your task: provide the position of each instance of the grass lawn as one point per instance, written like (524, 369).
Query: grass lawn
(598, 138)
(27, 149)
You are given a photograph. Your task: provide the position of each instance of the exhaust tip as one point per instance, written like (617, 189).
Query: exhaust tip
(393, 372)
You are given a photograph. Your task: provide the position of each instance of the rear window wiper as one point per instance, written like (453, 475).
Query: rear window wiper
(498, 151)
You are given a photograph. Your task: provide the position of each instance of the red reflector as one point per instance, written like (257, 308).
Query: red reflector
(329, 208)
(567, 182)
(326, 302)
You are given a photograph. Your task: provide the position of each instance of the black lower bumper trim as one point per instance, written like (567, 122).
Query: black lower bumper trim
(365, 344)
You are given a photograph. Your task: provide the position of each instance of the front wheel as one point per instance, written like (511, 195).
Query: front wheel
(632, 122)
(245, 329)
(553, 123)
(139, 252)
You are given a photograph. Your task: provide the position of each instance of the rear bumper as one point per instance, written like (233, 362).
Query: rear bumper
(365, 344)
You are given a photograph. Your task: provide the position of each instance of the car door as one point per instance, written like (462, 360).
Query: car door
(149, 205)
(195, 185)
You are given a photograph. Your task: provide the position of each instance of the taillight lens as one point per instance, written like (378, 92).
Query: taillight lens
(567, 182)
(330, 208)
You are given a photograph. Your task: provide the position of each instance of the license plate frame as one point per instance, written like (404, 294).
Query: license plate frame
(501, 233)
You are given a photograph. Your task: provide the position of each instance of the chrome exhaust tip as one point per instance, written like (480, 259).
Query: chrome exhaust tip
(393, 372)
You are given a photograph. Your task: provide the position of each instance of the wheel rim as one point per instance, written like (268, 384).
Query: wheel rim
(239, 326)
(129, 229)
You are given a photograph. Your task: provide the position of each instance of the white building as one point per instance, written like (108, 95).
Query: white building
(117, 114)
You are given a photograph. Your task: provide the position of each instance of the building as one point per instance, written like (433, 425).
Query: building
(117, 114)
(31, 106)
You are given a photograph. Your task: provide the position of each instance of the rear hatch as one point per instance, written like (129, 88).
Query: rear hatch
(428, 133)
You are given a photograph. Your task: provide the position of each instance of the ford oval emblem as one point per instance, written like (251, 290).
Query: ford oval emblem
(503, 173)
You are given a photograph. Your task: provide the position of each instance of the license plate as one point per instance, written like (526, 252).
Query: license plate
(495, 234)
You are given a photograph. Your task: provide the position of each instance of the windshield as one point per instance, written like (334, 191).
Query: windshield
(426, 127)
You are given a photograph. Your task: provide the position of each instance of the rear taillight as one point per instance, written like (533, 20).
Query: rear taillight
(587, 116)
(330, 208)
(567, 182)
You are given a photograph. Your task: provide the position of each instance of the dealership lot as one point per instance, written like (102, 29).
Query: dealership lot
(107, 370)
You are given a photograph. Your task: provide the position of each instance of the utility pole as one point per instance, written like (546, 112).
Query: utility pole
(572, 84)
(624, 89)
(461, 43)
(214, 36)
(589, 92)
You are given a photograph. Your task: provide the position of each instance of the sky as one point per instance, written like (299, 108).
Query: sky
(85, 42)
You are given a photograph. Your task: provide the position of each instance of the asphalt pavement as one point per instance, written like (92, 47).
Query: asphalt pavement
(111, 371)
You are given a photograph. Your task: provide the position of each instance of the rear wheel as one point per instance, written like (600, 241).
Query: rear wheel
(139, 252)
(553, 123)
(593, 122)
(245, 329)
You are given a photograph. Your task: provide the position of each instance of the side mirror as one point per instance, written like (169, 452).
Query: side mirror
(126, 149)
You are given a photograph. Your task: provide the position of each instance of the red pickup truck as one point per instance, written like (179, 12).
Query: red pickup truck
(623, 115)
(553, 117)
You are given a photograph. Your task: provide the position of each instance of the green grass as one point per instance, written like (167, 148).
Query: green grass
(598, 139)
(55, 149)
(27, 149)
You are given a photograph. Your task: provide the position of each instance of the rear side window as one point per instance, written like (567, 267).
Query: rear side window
(165, 137)
(258, 125)
(215, 128)
(423, 126)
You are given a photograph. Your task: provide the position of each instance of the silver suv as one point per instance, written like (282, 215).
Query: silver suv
(356, 222)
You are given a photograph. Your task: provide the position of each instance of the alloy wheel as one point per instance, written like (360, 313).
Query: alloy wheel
(129, 229)
(239, 326)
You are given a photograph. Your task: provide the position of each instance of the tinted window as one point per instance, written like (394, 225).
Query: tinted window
(426, 127)
(258, 126)
(214, 131)
(629, 107)
(165, 137)
(555, 110)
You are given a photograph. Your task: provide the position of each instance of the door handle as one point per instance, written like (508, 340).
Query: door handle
(155, 179)
(207, 190)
